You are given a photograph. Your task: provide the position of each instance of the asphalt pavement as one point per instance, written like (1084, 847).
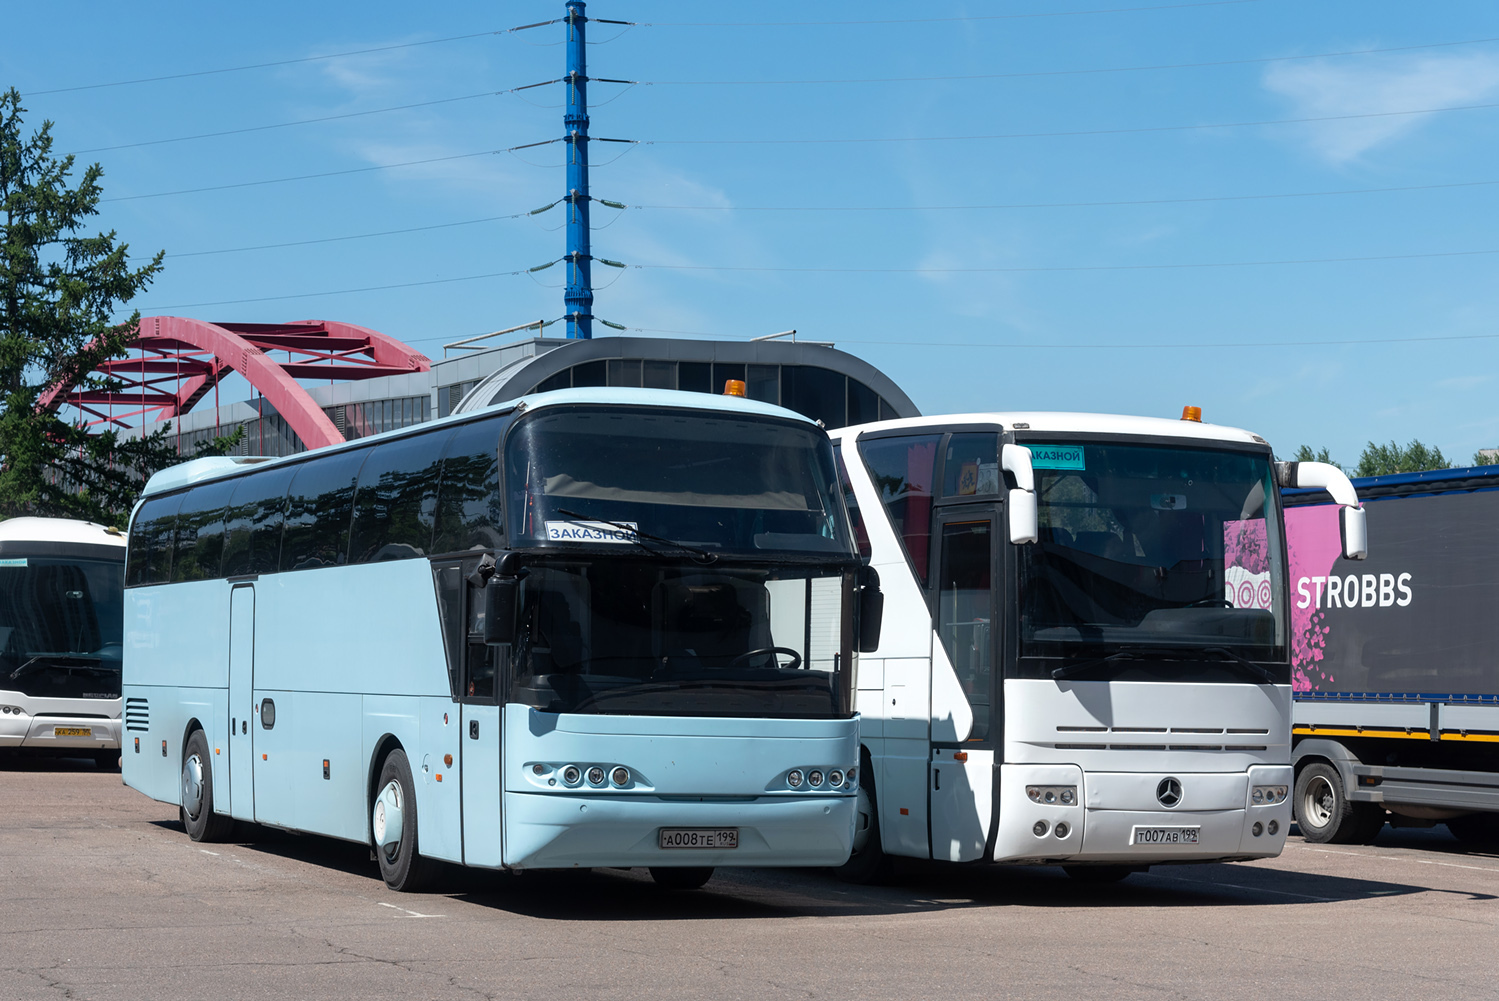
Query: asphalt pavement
(105, 897)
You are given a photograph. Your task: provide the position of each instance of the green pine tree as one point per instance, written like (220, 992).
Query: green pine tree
(1383, 460)
(60, 289)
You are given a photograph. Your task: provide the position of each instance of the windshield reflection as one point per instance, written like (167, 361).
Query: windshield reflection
(61, 622)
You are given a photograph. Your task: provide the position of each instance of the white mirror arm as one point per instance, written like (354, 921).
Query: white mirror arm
(1318, 476)
(1016, 460)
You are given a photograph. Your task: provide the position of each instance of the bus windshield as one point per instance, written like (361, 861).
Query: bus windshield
(645, 637)
(61, 623)
(1161, 549)
(616, 476)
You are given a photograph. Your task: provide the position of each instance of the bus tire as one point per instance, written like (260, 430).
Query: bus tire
(690, 877)
(196, 807)
(1102, 873)
(1326, 815)
(867, 864)
(401, 862)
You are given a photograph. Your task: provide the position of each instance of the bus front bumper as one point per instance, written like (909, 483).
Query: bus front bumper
(1120, 818)
(59, 732)
(558, 831)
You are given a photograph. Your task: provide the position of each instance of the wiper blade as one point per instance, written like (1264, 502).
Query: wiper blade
(635, 535)
(1072, 670)
(42, 661)
(1249, 666)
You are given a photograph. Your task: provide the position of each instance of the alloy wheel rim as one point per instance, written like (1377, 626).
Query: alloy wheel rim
(192, 786)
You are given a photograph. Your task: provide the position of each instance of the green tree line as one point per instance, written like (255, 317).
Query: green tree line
(1392, 457)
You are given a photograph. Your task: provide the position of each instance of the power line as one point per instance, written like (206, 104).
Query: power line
(1066, 205)
(340, 291)
(355, 236)
(1045, 73)
(1077, 267)
(300, 177)
(939, 20)
(284, 125)
(1070, 132)
(267, 65)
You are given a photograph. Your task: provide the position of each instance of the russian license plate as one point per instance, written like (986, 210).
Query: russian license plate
(72, 731)
(700, 837)
(1165, 836)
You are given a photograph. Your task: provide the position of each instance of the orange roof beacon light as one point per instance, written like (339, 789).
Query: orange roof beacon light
(734, 387)
(1192, 414)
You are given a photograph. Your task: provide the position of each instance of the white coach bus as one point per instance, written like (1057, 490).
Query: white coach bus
(60, 623)
(605, 627)
(1085, 654)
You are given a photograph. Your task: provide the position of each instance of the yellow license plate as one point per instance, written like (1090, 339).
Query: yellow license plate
(72, 731)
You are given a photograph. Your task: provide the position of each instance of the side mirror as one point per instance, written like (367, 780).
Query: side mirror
(871, 610)
(1025, 525)
(1354, 531)
(499, 609)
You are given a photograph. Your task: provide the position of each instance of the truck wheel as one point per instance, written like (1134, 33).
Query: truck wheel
(196, 808)
(1326, 815)
(681, 878)
(393, 823)
(1476, 830)
(868, 864)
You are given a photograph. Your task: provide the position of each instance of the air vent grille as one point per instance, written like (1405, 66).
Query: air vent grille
(137, 715)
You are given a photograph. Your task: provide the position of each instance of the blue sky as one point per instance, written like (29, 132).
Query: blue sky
(1130, 265)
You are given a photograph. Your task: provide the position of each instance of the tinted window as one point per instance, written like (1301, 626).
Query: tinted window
(468, 502)
(591, 373)
(971, 465)
(252, 525)
(902, 471)
(318, 507)
(861, 536)
(151, 541)
(200, 532)
(396, 499)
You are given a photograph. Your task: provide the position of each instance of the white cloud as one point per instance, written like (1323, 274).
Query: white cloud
(1324, 88)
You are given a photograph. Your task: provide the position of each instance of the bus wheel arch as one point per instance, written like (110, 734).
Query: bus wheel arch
(868, 863)
(394, 827)
(195, 790)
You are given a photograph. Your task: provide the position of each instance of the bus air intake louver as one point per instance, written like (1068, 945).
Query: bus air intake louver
(137, 715)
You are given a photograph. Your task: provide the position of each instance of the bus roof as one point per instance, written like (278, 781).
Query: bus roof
(1042, 422)
(64, 530)
(200, 470)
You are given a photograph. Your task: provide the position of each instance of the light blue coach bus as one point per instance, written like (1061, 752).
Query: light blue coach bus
(600, 627)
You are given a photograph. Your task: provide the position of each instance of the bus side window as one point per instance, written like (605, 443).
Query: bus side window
(151, 541)
(468, 501)
(252, 525)
(396, 499)
(200, 532)
(902, 470)
(448, 579)
(318, 506)
(861, 536)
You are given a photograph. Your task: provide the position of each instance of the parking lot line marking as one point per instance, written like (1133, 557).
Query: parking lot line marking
(205, 851)
(1240, 886)
(1404, 858)
(409, 914)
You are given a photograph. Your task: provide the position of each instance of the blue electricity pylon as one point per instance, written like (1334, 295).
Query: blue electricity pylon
(578, 298)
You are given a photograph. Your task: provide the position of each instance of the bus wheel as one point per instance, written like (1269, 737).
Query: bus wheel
(684, 878)
(196, 810)
(868, 863)
(1102, 873)
(393, 822)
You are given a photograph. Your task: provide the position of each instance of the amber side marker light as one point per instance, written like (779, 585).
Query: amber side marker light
(734, 387)
(1192, 414)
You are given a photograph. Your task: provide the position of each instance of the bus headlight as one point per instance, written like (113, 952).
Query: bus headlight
(794, 778)
(1267, 795)
(1052, 795)
(621, 776)
(835, 778)
(595, 776)
(572, 775)
(814, 778)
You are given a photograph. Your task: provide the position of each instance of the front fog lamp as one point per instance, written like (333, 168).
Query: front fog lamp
(621, 776)
(835, 778)
(1268, 795)
(794, 778)
(1040, 828)
(814, 778)
(572, 774)
(596, 776)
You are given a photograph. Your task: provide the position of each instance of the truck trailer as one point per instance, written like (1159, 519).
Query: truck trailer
(1395, 667)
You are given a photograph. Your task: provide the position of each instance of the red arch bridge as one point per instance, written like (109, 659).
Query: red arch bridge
(177, 362)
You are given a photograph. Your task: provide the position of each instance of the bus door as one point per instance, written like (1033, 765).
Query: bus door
(241, 772)
(481, 743)
(966, 601)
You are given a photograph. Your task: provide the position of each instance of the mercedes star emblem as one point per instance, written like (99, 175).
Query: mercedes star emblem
(1169, 792)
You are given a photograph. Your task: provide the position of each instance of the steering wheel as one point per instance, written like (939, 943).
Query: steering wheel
(1212, 603)
(796, 658)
